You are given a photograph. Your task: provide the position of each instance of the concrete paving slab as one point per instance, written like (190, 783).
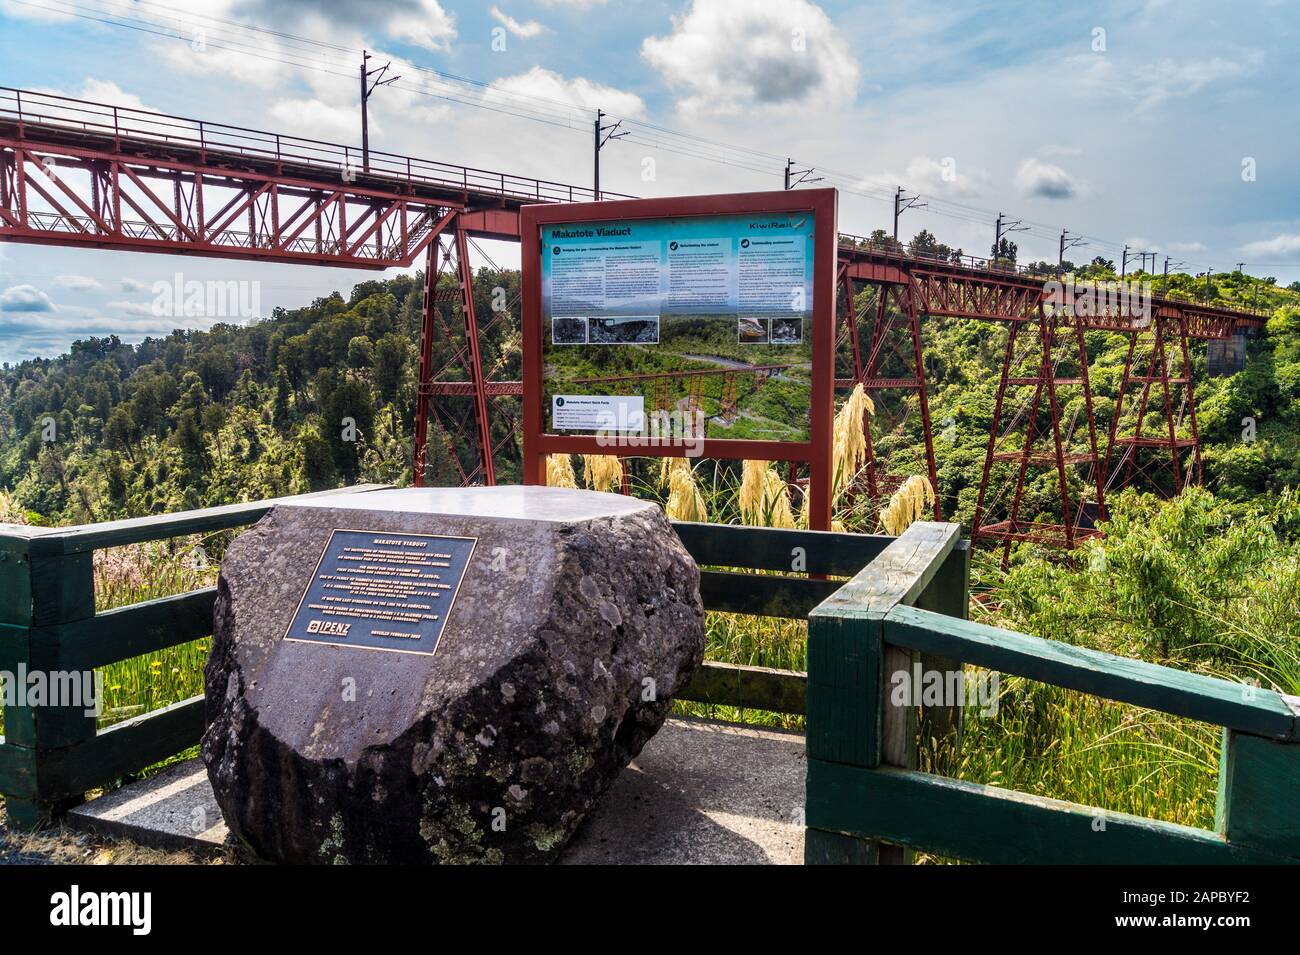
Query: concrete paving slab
(700, 793)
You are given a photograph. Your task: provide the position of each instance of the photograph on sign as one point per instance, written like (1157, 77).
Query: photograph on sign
(568, 331)
(752, 331)
(786, 331)
(694, 316)
(625, 330)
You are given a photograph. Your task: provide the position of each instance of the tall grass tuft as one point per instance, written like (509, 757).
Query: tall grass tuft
(908, 504)
(602, 472)
(685, 502)
(559, 471)
(140, 572)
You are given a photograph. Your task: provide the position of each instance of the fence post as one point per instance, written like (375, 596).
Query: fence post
(1258, 782)
(949, 594)
(843, 719)
(850, 720)
(41, 589)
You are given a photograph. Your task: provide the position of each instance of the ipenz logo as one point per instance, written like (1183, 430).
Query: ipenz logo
(77, 908)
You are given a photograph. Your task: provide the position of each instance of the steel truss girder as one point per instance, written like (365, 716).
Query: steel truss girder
(975, 296)
(63, 195)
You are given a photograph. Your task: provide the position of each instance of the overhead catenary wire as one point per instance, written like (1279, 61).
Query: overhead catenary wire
(489, 96)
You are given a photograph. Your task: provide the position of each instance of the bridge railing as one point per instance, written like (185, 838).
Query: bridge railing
(1033, 271)
(867, 803)
(123, 124)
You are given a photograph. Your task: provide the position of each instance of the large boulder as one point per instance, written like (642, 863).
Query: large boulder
(577, 619)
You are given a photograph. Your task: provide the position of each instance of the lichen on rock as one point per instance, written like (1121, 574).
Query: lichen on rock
(495, 747)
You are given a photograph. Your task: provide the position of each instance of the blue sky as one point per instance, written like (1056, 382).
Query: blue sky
(1123, 122)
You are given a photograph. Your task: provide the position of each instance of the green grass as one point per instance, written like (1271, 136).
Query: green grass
(1058, 743)
(757, 642)
(139, 572)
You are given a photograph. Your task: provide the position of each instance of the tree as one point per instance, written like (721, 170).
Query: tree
(390, 357)
(348, 411)
(924, 244)
(317, 462)
(360, 353)
(280, 410)
(217, 369)
(119, 431)
(1004, 251)
(188, 439)
(116, 481)
(880, 239)
(214, 419)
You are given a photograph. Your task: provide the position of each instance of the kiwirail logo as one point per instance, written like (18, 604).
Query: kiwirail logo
(76, 908)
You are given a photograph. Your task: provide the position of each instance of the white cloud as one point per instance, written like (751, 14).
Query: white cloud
(98, 91)
(427, 25)
(132, 308)
(1187, 248)
(1169, 78)
(1040, 180)
(254, 63)
(133, 285)
(25, 298)
(1283, 246)
(78, 283)
(319, 120)
(575, 4)
(577, 91)
(732, 55)
(526, 30)
(934, 177)
(1148, 85)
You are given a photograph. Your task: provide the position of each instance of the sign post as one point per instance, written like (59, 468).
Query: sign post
(632, 308)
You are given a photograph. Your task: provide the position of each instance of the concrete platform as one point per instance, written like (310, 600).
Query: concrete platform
(699, 793)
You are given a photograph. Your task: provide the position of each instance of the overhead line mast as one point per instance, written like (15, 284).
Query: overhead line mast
(367, 90)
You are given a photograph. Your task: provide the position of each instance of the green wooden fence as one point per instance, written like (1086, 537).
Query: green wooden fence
(50, 756)
(906, 601)
(867, 803)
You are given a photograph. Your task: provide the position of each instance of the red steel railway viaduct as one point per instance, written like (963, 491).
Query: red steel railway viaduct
(76, 173)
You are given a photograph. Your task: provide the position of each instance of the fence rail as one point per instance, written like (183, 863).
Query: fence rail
(52, 755)
(905, 603)
(866, 802)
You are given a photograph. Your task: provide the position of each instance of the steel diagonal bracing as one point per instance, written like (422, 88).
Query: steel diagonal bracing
(891, 363)
(81, 174)
(1154, 433)
(453, 393)
(1045, 364)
